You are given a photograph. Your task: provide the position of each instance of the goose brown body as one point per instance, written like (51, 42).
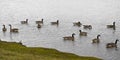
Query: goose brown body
(24, 22)
(55, 23)
(38, 22)
(69, 37)
(83, 33)
(77, 24)
(87, 26)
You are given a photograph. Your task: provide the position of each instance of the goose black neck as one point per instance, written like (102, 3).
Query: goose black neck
(114, 26)
(80, 31)
(26, 20)
(98, 36)
(116, 41)
(42, 19)
(10, 26)
(72, 35)
(57, 21)
(113, 23)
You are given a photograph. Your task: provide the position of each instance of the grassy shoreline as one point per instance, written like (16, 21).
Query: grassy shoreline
(16, 51)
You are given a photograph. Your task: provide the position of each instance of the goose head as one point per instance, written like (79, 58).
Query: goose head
(42, 20)
(73, 34)
(26, 20)
(80, 31)
(79, 22)
(98, 36)
(3, 25)
(9, 24)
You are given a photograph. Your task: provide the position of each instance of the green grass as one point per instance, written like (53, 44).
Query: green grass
(15, 51)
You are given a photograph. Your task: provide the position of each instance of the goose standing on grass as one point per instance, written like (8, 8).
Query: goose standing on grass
(83, 33)
(38, 26)
(111, 45)
(77, 24)
(4, 29)
(96, 40)
(13, 29)
(111, 26)
(24, 22)
(69, 37)
(55, 23)
(38, 22)
(87, 26)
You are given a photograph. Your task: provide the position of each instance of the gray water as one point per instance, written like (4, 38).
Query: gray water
(98, 13)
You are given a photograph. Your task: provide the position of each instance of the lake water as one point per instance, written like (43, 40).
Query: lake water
(98, 13)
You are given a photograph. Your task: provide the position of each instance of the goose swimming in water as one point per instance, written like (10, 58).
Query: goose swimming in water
(87, 26)
(13, 29)
(69, 37)
(4, 29)
(96, 40)
(111, 26)
(24, 22)
(38, 22)
(111, 45)
(77, 24)
(83, 33)
(55, 23)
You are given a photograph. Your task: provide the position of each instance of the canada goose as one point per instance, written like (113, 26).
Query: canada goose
(87, 26)
(83, 33)
(111, 26)
(13, 29)
(38, 22)
(4, 29)
(77, 24)
(55, 23)
(24, 22)
(111, 45)
(69, 37)
(96, 40)
(38, 26)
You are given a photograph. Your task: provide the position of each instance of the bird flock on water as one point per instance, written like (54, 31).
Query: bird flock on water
(81, 33)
